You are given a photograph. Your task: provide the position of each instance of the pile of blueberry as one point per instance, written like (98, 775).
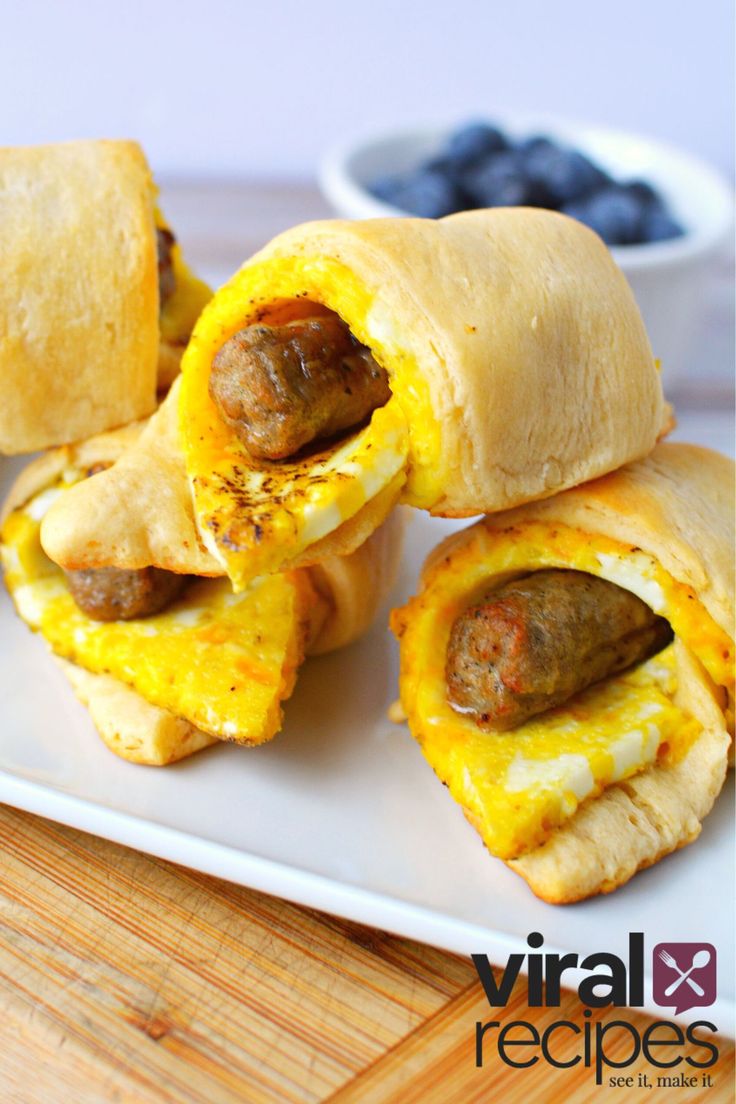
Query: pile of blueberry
(480, 166)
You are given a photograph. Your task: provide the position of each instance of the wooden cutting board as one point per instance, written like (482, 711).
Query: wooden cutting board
(127, 979)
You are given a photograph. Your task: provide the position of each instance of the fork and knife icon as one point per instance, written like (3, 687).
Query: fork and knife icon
(700, 959)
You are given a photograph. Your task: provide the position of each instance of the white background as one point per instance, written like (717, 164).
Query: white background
(261, 89)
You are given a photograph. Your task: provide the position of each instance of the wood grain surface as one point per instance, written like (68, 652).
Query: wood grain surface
(127, 979)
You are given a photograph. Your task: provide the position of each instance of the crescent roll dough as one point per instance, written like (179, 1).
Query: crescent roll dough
(579, 798)
(518, 364)
(81, 336)
(212, 665)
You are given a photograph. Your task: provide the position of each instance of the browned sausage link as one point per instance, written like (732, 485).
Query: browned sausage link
(165, 241)
(280, 387)
(533, 643)
(118, 594)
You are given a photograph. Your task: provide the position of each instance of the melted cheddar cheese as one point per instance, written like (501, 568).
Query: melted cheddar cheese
(223, 662)
(518, 786)
(257, 516)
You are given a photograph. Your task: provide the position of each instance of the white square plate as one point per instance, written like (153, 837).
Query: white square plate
(340, 812)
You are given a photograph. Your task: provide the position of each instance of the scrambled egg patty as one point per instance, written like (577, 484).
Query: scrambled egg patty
(223, 662)
(518, 786)
(256, 516)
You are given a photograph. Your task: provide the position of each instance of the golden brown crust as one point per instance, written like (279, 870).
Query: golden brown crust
(509, 314)
(79, 329)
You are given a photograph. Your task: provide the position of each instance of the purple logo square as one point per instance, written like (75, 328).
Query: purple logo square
(684, 975)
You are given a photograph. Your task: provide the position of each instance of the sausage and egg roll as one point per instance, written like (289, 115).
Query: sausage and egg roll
(568, 669)
(167, 658)
(96, 302)
(462, 365)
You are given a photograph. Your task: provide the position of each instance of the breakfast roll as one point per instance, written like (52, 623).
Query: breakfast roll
(96, 302)
(463, 365)
(167, 658)
(568, 669)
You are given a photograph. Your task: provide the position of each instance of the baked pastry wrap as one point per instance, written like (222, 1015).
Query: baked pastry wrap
(81, 333)
(209, 665)
(579, 798)
(518, 365)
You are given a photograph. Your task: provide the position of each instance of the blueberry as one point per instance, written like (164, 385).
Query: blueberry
(659, 226)
(472, 142)
(444, 166)
(387, 188)
(439, 163)
(614, 214)
(534, 142)
(499, 181)
(428, 194)
(560, 175)
(644, 192)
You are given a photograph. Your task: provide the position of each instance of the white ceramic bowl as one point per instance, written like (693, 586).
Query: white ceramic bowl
(669, 278)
